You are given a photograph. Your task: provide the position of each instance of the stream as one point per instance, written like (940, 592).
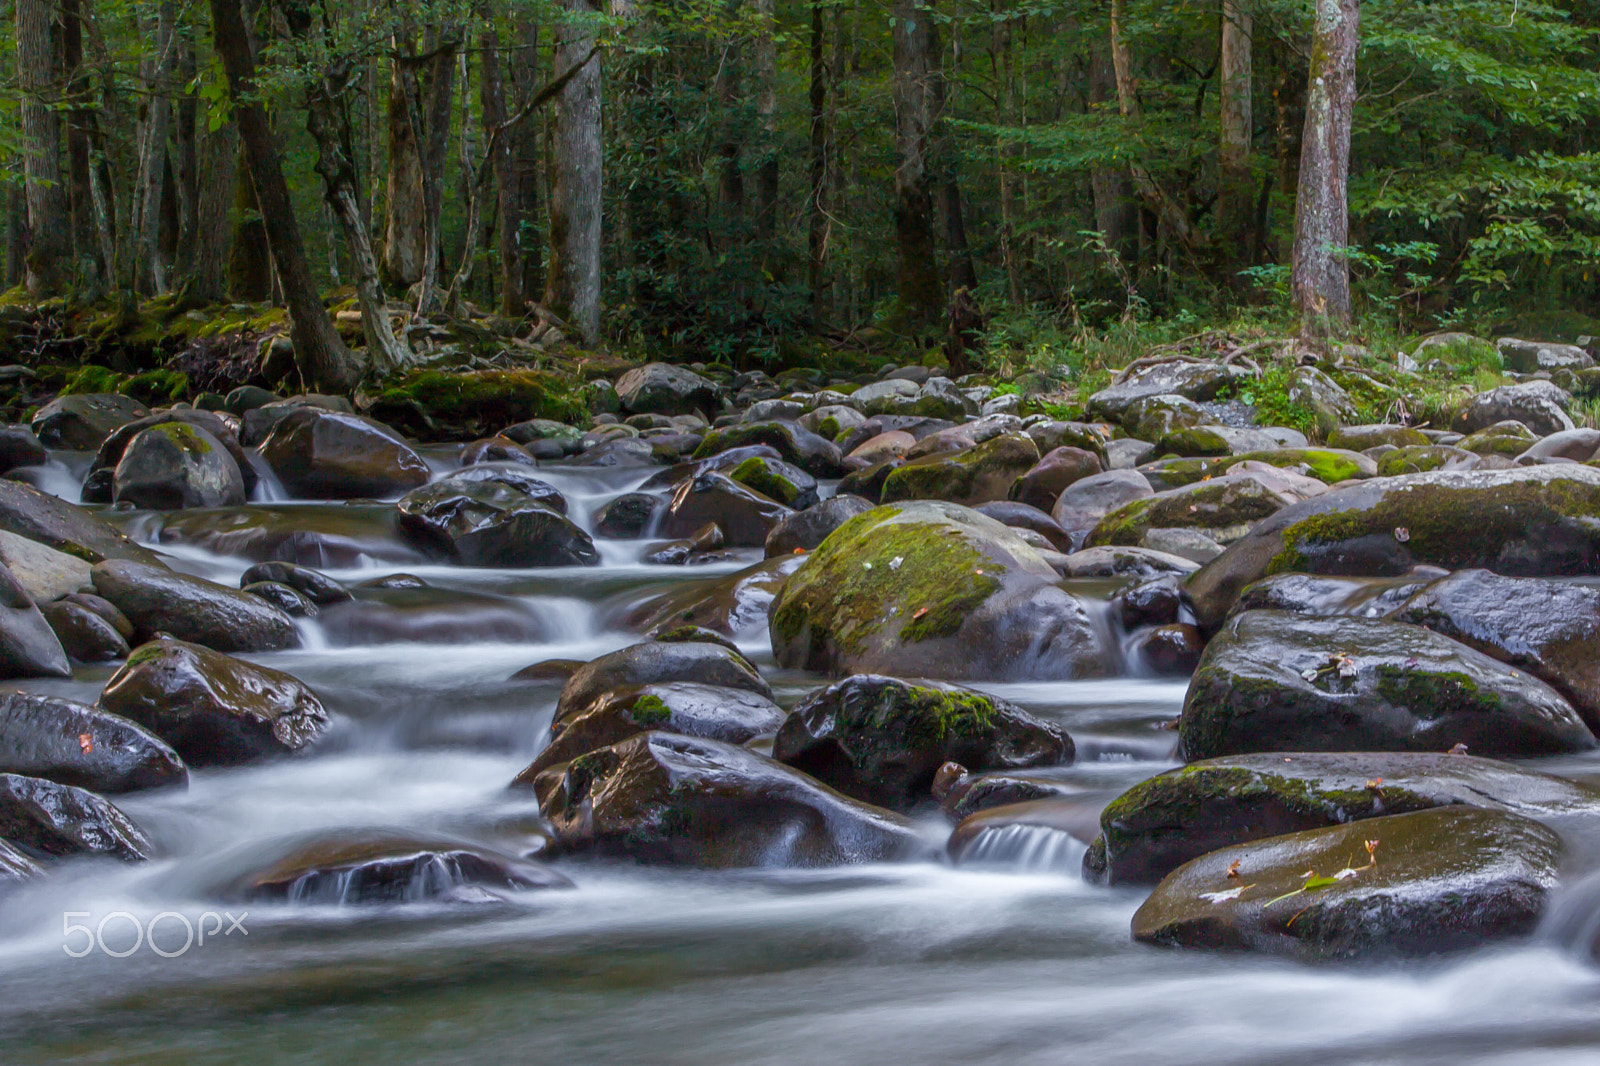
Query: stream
(1010, 958)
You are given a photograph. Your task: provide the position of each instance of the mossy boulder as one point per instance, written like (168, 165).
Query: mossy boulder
(175, 465)
(1510, 439)
(463, 405)
(1528, 357)
(1160, 824)
(1330, 406)
(882, 739)
(795, 444)
(1440, 880)
(1153, 417)
(665, 389)
(977, 475)
(657, 663)
(1525, 522)
(1191, 380)
(1458, 350)
(1222, 503)
(932, 589)
(1274, 681)
(1360, 438)
(805, 530)
(1331, 466)
(777, 480)
(668, 799)
(1424, 459)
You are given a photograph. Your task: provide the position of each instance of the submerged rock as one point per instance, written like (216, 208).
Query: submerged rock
(735, 605)
(882, 740)
(50, 819)
(74, 744)
(1442, 880)
(1274, 681)
(158, 600)
(660, 798)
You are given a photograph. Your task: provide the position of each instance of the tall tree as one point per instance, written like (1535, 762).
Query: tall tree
(39, 77)
(1320, 273)
(318, 350)
(573, 287)
(1235, 184)
(916, 46)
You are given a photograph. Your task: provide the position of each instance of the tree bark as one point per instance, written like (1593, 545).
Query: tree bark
(218, 156)
(80, 126)
(1116, 216)
(148, 274)
(573, 288)
(1160, 203)
(915, 46)
(1002, 49)
(1320, 278)
(319, 352)
(766, 75)
(818, 222)
(1236, 193)
(38, 76)
(521, 261)
(405, 231)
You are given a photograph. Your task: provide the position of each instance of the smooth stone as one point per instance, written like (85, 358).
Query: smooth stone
(74, 744)
(158, 600)
(53, 820)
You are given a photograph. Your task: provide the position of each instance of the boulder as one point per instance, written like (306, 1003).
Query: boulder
(1526, 522)
(1529, 357)
(43, 572)
(1579, 445)
(496, 450)
(1191, 380)
(81, 422)
(661, 388)
(1315, 594)
(84, 635)
(1421, 460)
(628, 517)
(1223, 503)
(175, 465)
(1152, 417)
(932, 589)
(330, 455)
(806, 530)
(1328, 465)
(655, 663)
(223, 430)
(1160, 824)
(1539, 405)
(1024, 516)
(314, 585)
(1139, 563)
(50, 819)
(1273, 681)
(158, 600)
(28, 646)
(745, 516)
(881, 739)
(513, 477)
(49, 520)
(732, 715)
(962, 794)
(662, 798)
(1315, 391)
(793, 443)
(1509, 439)
(892, 445)
(20, 447)
(490, 523)
(1043, 484)
(1448, 879)
(977, 475)
(777, 480)
(74, 744)
(735, 605)
(1084, 503)
(213, 709)
(1360, 438)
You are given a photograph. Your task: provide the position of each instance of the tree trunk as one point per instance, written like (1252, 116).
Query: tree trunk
(249, 255)
(1002, 49)
(573, 288)
(1321, 272)
(218, 155)
(38, 76)
(915, 46)
(1160, 203)
(1116, 216)
(766, 75)
(186, 137)
(1236, 193)
(148, 275)
(435, 137)
(406, 231)
(521, 279)
(80, 124)
(319, 352)
(818, 223)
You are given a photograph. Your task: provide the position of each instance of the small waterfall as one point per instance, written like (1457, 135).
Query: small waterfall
(1028, 848)
(268, 489)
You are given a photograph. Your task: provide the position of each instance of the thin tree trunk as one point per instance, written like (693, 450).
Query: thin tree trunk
(1002, 49)
(1236, 192)
(249, 255)
(817, 228)
(573, 288)
(218, 156)
(49, 228)
(766, 75)
(319, 352)
(406, 231)
(148, 275)
(1320, 278)
(1160, 203)
(1116, 216)
(435, 138)
(521, 279)
(80, 124)
(186, 138)
(915, 46)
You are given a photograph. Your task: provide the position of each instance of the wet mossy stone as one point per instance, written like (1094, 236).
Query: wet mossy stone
(463, 405)
(777, 480)
(1318, 594)
(1193, 442)
(491, 524)
(316, 586)
(1423, 459)
(74, 744)
(1274, 681)
(734, 605)
(732, 715)
(868, 483)
(1224, 502)
(932, 589)
(1360, 438)
(661, 798)
(1447, 879)
(882, 739)
(84, 635)
(81, 422)
(213, 709)
(335, 456)
(795, 444)
(66, 527)
(158, 600)
(1328, 465)
(980, 474)
(1510, 439)
(174, 466)
(51, 820)
(1160, 824)
(722, 462)
(652, 663)
(1538, 521)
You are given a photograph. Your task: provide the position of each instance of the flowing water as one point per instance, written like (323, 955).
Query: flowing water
(1009, 958)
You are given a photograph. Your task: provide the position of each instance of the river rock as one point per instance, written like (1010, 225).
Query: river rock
(1579, 445)
(1534, 521)
(661, 798)
(173, 466)
(28, 646)
(223, 430)
(15, 866)
(1226, 502)
(932, 589)
(74, 744)
(1360, 438)
(1539, 405)
(44, 573)
(732, 715)
(628, 517)
(794, 444)
(806, 530)
(81, 422)
(1193, 381)
(1054, 827)
(1025, 516)
(1448, 879)
(735, 605)
(1041, 486)
(1328, 465)
(515, 478)
(496, 450)
(881, 739)
(1082, 505)
(653, 663)
(977, 475)
(38, 516)
(84, 634)
(330, 455)
(50, 819)
(488, 523)
(1273, 681)
(777, 480)
(215, 710)
(20, 447)
(158, 600)
(745, 516)
(661, 388)
(1528, 357)
(314, 585)
(1317, 594)
(1174, 817)
(1153, 417)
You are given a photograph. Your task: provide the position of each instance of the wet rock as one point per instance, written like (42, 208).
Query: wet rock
(1150, 603)
(16, 866)
(618, 454)
(1539, 405)
(1043, 485)
(345, 868)
(173, 466)
(1530, 521)
(20, 447)
(745, 516)
(1273, 681)
(488, 523)
(1169, 651)
(1018, 515)
(661, 388)
(1160, 824)
(495, 450)
(1192, 544)
(330, 455)
(54, 820)
(288, 600)
(28, 646)
(1226, 502)
(735, 605)
(1360, 597)
(1449, 879)
(832, 420)
(931, 589)
(315, 586)
(868, 483)
(404, 610)
(967, 793)
(978, 475)
(315, 535)
(38, 516)
(74, 744)
(81, 422)
(881, 739)
(731, 715)
(158, 600)
(84, 635)
(653, 663)
(661, 798)
(44, 573)
(223, 430)
(794, 444)
(1084, 503)
(213, 709)
(514, 478)
(777, 480)
(1193, 381)
(892, 445)
(1062, 823)
(1139, 563)
(805, 530)
(1527, 357)
(1088, 436)
(629, 516)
